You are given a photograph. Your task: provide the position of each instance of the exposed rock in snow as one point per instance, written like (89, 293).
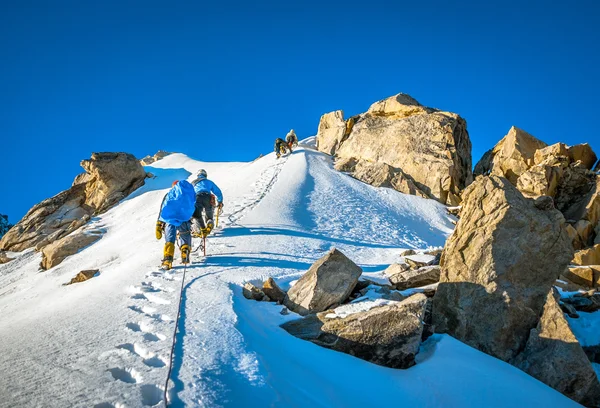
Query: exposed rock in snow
(380, 175)
(554, 356)
(328, 282)
(498, 267)
(152, 159)
(382, 332)
(273, 291)
(83, 276)
(419, 260)
(57, 251)
(431, 148)
(252, 292)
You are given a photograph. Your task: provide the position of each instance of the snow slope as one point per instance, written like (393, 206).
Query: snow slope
(106, 342)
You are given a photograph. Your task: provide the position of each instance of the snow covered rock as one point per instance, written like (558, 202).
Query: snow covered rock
(113, 176)
(57, 251)
(432, 148)
(497, 268)
(328, 282)
(273, 291)
(554, 356)
(109, 177)
(388, 335)
(83, 276)
(426, 275)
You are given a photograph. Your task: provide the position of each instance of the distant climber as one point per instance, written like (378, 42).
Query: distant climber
(291, 139)
(205, 189)
(281, 147)
(175, 212)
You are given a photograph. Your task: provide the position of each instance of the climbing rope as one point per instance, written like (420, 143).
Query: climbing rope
(166, 390)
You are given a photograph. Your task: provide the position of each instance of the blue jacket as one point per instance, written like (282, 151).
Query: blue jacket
(179, 204)
(207, 186)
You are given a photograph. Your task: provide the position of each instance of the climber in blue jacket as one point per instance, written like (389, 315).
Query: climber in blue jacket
(176, 210)
(205, 189)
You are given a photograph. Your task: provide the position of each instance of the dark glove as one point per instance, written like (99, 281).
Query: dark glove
(220, 205)
(159, 229)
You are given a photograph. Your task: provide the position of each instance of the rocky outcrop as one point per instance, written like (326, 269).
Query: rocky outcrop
(554, 356)
(416, 278)
(4, 225)
(388, 335)
(113, 176)
(589, 256)
(379, 175)
(83, 276)
(332, 131)
(57, 251)
(511, 157)
(328, 282)
(273, 291)
(426, 147)
(109, 178)
(5, 258)
(151, 159)
(498, 266)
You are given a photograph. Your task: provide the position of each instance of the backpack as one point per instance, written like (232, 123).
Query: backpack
(179, 204)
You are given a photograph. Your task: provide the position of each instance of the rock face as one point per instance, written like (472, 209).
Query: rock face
(554, 356)
(4, 225)
(151, 159)
(113, 176)
(328, 282)
(56, 252)
(332, 130)
(587, 276)
(589, 256)
(497, 268)
(511, 157)
(388, 335)
(109, 177)
(430, 148)
(273, 291)
(416, 278)
(252, 292)
(379, 175)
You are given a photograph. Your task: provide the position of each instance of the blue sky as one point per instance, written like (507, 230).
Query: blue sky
(220, 82)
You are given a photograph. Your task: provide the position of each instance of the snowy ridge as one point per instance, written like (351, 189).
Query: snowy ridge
(105, 342)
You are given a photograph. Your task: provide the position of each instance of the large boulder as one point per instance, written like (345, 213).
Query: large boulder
(589, 256)
(587, 276)
(327, 283)
(56, 252)
(273, 291)
(432, 148)
(498, 266)
(511, 157)
(113, 177)
(554, 356)
(388, 335)
(109, 177)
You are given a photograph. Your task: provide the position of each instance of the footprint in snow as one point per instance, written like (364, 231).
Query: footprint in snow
(127, 375)
(151, 298)
(149, 359)
(151, 394)
(149, 311)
